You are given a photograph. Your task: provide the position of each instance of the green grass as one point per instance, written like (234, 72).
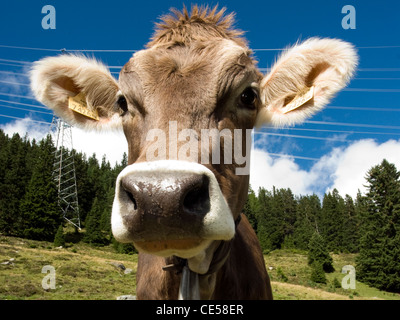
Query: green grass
(81, 271)
(84, 272)
(290, 267)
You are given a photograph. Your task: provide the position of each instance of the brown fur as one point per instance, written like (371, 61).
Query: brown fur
(193, 72)
(163, 72)
(243, 276)
(202, 24)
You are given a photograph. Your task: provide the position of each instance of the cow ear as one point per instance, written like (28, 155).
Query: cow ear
(81, 91)
(304, 79)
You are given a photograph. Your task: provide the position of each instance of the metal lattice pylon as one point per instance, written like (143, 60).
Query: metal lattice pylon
(64, 171)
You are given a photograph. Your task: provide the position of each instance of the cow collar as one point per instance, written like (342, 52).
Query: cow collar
(189, 288)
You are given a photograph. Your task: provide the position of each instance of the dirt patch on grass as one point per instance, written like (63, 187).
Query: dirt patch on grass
(297, 292)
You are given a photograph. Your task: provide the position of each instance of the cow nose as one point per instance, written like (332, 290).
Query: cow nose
(170, 207)
(196, 198)
(161, 195)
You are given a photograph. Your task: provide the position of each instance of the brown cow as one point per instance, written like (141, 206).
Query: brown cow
(197, 81)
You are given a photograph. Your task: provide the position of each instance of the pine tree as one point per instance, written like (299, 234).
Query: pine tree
(250, 208)
(317, 273)
(319, 254)
(94, 234)
(5, 217)
(39, 211)
(276, 217)
(105, 219)
(83, 184)
(265, 222)
(308, 209)
(378, 261)
(93, 176)
(59, 238)
(285, 206)
(3, 155)
(350, 226)
(332, 220)
(13, 184)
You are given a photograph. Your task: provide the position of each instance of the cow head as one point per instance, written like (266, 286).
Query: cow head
(186, 105)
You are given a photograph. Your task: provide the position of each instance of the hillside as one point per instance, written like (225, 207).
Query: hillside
(85, 272)
(82, 271)
(290, 276)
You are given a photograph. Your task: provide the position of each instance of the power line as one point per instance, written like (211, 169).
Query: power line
(272, 49)
(365, 47)
(378, 47)
(16, 83)
(345, 89)
(24, 109)
(68, 50)
(17, 96)
(327, 107)
(378, 69)
(260, 69)
(385, 79)
(28, 119)
(23, 63)
(271, 154)
(12, 65)
(101, 50)
(352, 124)
(311, 122)
(342, 131)
(24, 104)
(291, 156)
(28, 48)
(359, 69)
(16, 61)
(370, 90)
(364, 109)
(396, 79)
(14, 73)
(134, 50)
(299, 137)
(266, 133)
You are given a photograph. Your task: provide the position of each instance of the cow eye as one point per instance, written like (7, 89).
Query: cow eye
(123, 105)
(248, 98)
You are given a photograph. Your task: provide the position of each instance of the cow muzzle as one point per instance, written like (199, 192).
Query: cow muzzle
(170, 207)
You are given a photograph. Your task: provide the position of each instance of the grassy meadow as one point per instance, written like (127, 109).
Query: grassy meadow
(84, 272)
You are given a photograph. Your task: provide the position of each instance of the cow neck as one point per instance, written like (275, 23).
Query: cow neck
(191, 282)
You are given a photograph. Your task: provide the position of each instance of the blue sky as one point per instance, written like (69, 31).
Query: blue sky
(361, 125)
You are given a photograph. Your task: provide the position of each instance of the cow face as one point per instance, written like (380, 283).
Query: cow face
(186, 105)
(185, 114)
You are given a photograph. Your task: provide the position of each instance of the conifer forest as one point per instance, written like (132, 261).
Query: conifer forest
(368, 225)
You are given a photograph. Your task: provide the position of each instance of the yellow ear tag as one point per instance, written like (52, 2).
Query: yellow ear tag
(299, 100)
(79, 105)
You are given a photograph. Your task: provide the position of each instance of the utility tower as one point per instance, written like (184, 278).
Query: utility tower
(64, 171)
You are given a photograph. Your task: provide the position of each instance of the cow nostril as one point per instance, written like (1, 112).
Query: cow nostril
(197, 199)
(132, 198)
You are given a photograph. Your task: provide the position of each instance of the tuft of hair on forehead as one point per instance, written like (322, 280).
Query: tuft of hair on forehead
(201, 24)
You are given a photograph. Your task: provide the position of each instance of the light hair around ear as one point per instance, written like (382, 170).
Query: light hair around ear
(320, 66)
(55, 79)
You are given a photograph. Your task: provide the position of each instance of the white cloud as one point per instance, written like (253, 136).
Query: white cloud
(343, 169)
(357, 159)
(267, 172)
(111, 143)
(15, 83)
(25, 126)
